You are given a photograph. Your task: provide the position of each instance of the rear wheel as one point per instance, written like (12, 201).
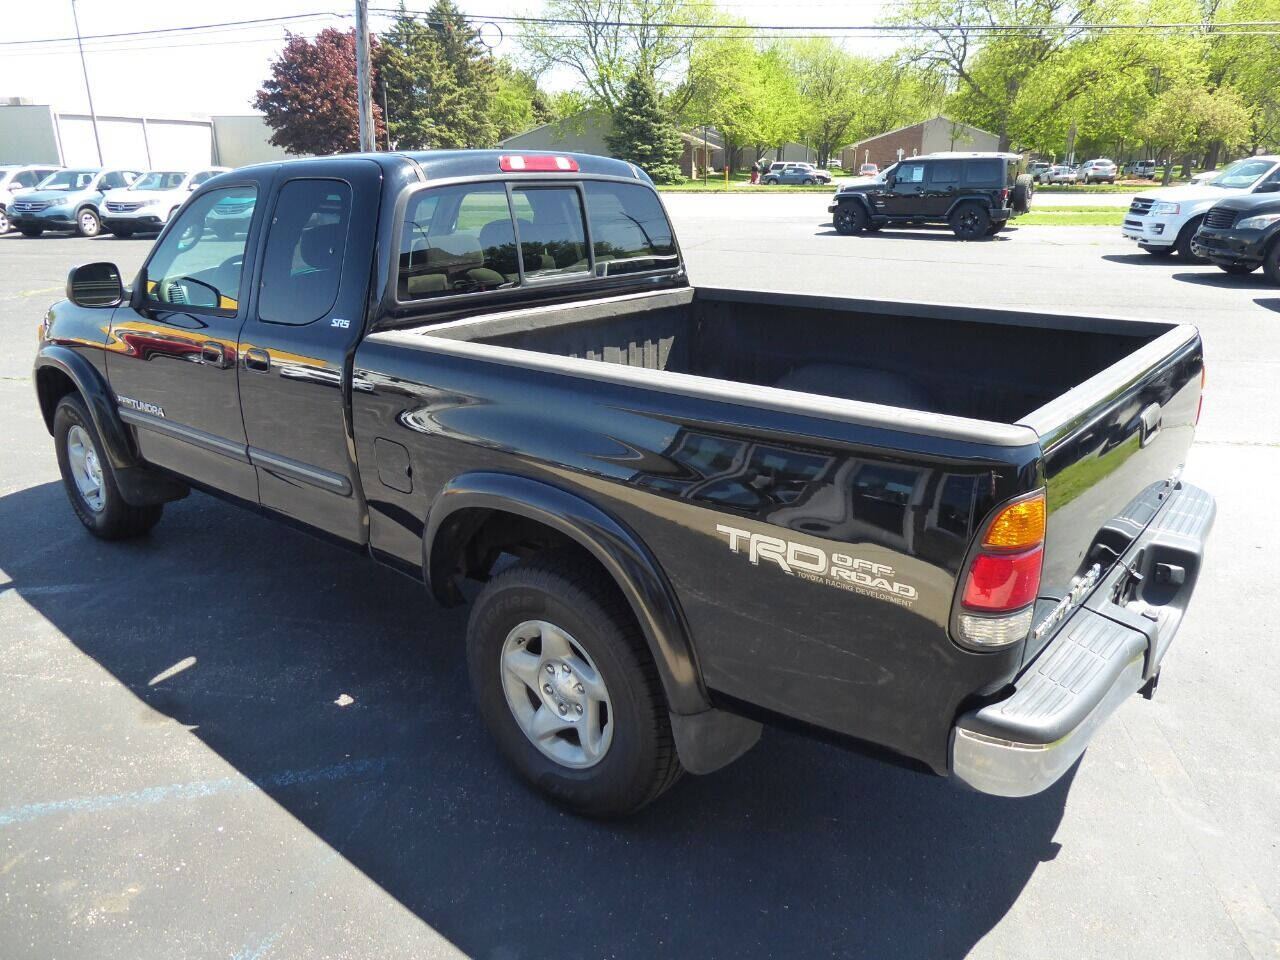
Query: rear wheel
(970, 221)
(89, 482)
(87, 223)
(567, 687)
(849, 219)
(1183, 243)
(995, 228)
(1237, 269)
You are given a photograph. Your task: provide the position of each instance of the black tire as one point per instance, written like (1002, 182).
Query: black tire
(1237, 269)
(970, 221)
(1183, 243)
(124, 233)
(1161, 252)
(31, 231)
(115, 519)
(573, 593)
(771, 181)
(1271, 263)
(4, 222)
(88, 223)
(849, 219)
(809, 181)
(995, 228)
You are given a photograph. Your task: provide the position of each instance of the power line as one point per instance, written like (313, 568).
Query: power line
(158, 31)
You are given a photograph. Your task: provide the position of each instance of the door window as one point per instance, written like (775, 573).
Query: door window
(910, 173)
(944, 172)
(983, 172)
(199, 261)
(302, 267)
(202, 176)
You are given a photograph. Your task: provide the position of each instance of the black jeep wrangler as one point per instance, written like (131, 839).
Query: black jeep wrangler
(976, 193)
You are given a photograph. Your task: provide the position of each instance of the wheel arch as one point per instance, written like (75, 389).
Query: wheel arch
(461, 511)
(968, 201)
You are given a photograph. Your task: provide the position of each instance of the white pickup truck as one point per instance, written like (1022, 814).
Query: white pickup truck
(1164, 221)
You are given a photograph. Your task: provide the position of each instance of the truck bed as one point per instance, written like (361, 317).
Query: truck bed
(998, 367)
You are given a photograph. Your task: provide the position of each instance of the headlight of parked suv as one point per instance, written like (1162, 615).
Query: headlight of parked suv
(1161, 207)
(1260, 222)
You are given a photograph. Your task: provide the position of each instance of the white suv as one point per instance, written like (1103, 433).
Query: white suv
(1164, 221)
(17, 180)
(149, 202)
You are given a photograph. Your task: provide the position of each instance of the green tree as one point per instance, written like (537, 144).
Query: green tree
(1185, 119)
(517, 104)
(643, 132)
(419, 88)
(464, 121)
(612, 39)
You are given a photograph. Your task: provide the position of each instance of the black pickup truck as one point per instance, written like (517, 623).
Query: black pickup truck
(954, 535)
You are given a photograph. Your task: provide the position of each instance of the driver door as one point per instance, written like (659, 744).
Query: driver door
(905, 198)
(172, 352)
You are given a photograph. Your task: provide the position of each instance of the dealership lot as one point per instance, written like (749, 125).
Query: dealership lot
(232, 741)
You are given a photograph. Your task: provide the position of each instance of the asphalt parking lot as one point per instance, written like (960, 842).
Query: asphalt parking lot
(230, 740)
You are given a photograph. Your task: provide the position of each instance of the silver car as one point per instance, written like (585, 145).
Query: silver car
(1101, 170)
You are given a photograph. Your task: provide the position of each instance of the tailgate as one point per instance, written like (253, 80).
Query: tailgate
(1113, 447)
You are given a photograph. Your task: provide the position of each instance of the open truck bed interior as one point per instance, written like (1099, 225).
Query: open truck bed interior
(999, 366)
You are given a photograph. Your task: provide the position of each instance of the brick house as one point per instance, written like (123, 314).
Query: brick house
(929, 136)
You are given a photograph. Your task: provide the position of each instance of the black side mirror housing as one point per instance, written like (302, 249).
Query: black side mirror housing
(95, 285)
(1269, 187)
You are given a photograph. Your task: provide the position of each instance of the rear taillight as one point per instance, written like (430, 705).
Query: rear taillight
(1003, 577)
(1004, 196)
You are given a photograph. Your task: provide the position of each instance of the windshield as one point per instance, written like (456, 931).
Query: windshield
(1242, 174)
(68, 180)
(159, 180)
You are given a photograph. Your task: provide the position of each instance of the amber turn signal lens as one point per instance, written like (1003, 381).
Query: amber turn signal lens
(1018, 526)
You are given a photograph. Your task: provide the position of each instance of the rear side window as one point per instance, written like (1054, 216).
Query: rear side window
(983, 173)
(629, 231)
(457, 240)
(302, 267)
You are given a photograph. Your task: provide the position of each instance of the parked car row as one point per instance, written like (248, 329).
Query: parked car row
(1101, 170)
(88, 200)
(788, 172)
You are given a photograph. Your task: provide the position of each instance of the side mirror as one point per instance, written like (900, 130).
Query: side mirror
(95, 285)
(1271, 186)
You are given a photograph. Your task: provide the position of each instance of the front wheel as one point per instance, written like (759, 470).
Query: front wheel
(89, 482)
(970, 222)
(31, 231)
(771, 181)
(1183, 243)
(4, 222)
(567, 686)
(849, 219)
(809, 181)
(87, 223)
(1271, 263)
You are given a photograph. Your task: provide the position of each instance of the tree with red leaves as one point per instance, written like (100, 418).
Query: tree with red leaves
(310, 98)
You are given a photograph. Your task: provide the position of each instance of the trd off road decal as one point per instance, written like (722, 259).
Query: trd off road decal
(812, 563)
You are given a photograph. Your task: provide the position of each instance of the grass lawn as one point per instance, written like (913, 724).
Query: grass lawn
(1071, 217)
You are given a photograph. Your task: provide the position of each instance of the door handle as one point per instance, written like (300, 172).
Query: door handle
(255, 358)
(214, 354)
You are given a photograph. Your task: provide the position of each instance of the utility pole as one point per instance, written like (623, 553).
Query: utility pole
(386, 115)
(93, 116)
(364, 100)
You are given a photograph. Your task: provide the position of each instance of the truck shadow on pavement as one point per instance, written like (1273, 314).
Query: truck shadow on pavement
(796, 850)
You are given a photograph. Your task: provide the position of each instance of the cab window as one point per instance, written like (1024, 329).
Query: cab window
(457, 240)
(199, 261)
(302, 267)
(629, 231)
(553, 240)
